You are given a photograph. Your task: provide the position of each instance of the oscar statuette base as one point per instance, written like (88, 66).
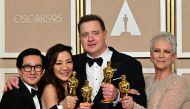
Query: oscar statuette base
(106, 104)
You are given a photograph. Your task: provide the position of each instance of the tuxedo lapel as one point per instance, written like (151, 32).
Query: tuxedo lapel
(79, 62)
(27, 94)
(99, 96)
(39, 99)
(116, 65)
(81, 67)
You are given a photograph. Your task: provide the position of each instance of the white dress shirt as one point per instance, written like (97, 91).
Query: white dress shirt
(95, 72)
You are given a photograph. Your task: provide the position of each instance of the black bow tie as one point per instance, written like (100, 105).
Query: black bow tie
(34, 92)
(97, 60)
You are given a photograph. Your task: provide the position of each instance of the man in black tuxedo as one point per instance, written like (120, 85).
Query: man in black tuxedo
(93, 38)
(30, 64)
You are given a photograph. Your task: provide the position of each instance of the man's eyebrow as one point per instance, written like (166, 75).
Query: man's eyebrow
(84, 32)
(31, 64)
(96, 31)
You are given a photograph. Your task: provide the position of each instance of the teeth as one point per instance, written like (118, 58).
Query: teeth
(64, 74)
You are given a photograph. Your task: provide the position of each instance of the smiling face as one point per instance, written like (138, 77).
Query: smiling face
(63, 66)
(31, 77)
(162, 55)
(93, 38)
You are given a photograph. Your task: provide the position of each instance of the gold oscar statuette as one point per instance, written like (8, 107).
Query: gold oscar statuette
(86, 91)
(124, 86)
(73, 84)
(108, 74)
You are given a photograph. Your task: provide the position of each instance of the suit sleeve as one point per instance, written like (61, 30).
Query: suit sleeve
(12, 100)
(135, 77)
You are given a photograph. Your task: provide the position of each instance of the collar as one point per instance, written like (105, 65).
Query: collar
(104, 55)
(29, 87)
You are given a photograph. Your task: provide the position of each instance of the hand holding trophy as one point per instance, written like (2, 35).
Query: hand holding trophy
(124, 86)
(108, 74)
(73, 84)
(86, 92)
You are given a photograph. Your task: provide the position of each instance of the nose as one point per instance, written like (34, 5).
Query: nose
(161, 54)
(64, 66)
(32, 71)
(90, 37)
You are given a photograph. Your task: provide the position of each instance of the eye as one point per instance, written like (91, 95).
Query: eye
(38, 66)
(156, 50)
(70, 61)
(58, 63)
(26, 66)
(95, 32)
(167, 51)
(84, 34)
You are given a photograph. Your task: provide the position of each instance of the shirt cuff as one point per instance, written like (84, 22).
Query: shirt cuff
(59, 107)
(56, 107)
(117, 100)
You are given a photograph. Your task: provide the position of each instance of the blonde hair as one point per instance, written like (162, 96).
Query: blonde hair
(171, 39)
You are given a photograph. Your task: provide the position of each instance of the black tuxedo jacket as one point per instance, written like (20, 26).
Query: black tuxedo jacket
(17, 98)
(123, 64)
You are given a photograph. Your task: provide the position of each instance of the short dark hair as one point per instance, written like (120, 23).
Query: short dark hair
(27, 52)
(91, 17)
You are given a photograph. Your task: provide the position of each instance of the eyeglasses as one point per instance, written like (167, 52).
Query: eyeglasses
(28, 68)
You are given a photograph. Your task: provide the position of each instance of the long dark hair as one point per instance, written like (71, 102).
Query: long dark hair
(49, 76)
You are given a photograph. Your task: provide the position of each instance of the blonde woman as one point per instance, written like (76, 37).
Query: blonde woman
(165, 90)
